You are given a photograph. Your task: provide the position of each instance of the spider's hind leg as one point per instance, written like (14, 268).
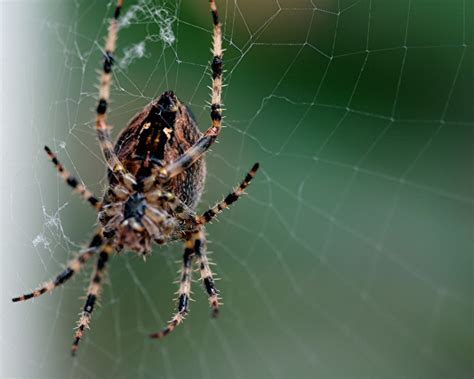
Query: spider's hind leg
(229, 199)
(102, 129)
(210, 135)
(70, 180)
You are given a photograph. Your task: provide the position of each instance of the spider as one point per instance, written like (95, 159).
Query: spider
(156, 174)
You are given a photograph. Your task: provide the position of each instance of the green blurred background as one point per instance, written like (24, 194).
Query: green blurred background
(351, 257)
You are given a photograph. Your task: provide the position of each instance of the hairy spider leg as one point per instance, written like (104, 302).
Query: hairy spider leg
(73, 267)
(181, 210)
(195, 241)
(184, 291)
(70, 180)
(103, 130)
(229, 199)
(205, 270)
(92, 294)
(211, 134)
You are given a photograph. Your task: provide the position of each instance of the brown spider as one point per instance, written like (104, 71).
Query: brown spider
(156, 173)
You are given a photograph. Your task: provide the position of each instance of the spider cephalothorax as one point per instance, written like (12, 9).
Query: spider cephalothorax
(156, 175)
(137, 220)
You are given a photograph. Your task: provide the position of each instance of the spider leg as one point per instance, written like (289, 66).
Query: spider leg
(229, 199)
(73, 267)
(211, 134)
(170, 201)
(72, 181)
(183, 292)
(92, 294)
(206, 273)
(103, 130)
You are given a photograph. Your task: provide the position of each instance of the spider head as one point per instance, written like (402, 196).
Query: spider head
(137, 220)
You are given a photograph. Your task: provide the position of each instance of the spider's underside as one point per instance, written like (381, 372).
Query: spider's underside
(156, 175)
(155, 137)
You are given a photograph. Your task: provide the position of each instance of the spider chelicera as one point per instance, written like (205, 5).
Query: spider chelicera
(156, 175)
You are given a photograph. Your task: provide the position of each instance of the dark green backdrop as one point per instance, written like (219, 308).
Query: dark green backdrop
(351, 257)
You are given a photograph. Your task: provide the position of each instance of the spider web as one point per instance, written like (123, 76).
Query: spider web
(351, 256)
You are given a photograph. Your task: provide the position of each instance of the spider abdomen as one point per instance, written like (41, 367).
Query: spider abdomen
(157, 136)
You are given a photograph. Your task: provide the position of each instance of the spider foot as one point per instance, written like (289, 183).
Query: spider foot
(178, 319)
(215, 306)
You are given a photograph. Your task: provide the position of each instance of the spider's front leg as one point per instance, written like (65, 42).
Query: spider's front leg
(92, 294)
(72, 268)
(184, 291)
(194, 248)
